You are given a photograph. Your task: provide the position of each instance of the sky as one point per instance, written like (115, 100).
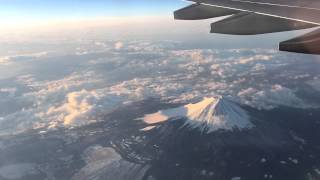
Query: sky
(35, 20)
(20, 10)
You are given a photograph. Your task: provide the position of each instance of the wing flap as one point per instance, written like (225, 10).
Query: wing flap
(199, 11)
(247, 23)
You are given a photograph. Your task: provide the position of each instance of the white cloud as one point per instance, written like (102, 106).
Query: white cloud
(9, 91)
(246, 60)
(101, 44)
(7, 60)
(77, 105)
(315, 83)
(52, 103)
(4, 60)
(271, 97)
(118, 45)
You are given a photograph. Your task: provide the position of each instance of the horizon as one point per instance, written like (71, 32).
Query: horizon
(35, 19)
(14, 11)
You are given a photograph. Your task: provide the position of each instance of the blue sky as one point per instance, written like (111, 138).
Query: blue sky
(57, 9)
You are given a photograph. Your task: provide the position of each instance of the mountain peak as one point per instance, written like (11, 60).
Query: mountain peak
(210, 114)
(217, 113)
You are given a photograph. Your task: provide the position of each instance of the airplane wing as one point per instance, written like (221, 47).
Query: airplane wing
(249, 17)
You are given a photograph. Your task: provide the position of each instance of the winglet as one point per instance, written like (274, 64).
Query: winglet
(199, 11)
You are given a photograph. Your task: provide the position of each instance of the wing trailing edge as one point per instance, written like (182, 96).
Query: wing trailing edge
(248, 23)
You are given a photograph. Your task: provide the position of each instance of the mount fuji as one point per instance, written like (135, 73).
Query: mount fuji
(208, 115)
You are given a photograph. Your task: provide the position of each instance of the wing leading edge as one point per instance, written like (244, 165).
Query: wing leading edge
(259, 17)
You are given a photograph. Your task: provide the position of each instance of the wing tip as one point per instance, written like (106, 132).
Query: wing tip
(306, 44)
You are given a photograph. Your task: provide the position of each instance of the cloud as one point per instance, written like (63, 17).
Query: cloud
(50, 103)
(10, 92)
(101, 44)
(246, 60)
(77, 105)
(315, 83)
(4, 60)
(7, 60)
(118, 45)
(269, 98)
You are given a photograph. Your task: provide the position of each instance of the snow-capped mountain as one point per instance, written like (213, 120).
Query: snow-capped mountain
(209, 115)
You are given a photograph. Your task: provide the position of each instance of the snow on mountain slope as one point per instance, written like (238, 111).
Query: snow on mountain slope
(209, 115)
(105, 163)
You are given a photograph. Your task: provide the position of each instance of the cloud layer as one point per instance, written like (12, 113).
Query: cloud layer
(113, 73)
